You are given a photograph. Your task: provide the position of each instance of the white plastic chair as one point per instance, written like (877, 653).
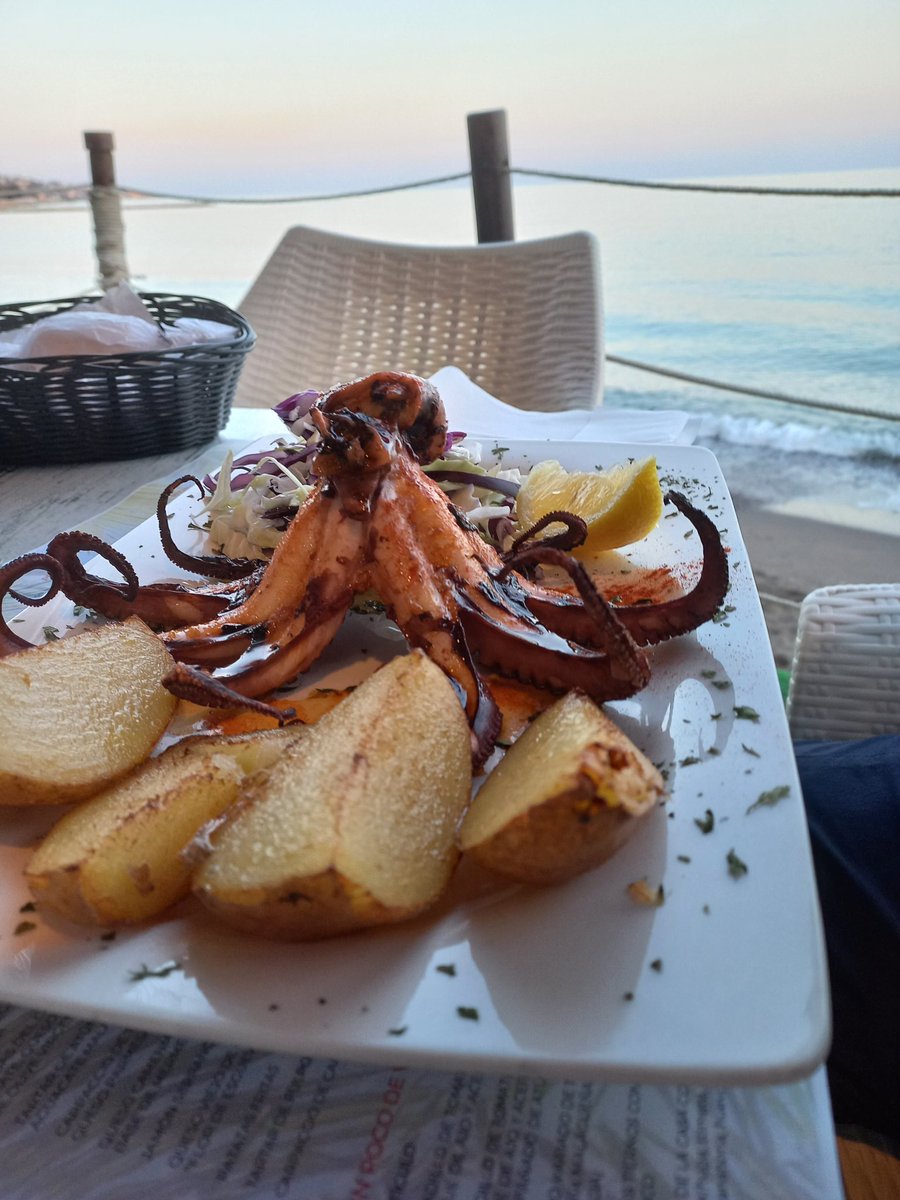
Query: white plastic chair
(845, 677)
(522, 319)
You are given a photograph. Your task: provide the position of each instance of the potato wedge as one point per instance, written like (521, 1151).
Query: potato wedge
(565, 797)
(116, 859)
(355, 825)
(80, 712)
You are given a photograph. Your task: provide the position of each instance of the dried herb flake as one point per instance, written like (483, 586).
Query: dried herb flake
(744, 712)
(706, 823)
(770, 798)
(736, 866)
(145, 972)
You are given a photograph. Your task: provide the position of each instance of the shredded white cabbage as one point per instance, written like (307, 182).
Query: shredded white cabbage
(248, 522)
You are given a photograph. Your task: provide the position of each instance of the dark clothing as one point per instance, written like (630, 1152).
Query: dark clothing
(852, 796)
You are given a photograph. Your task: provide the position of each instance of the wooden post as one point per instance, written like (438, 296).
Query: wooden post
(106, 207)
(491, 187)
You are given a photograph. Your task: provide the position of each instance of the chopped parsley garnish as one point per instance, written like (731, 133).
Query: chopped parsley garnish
(770, 798)
(736, 866)
(744, 712)
(656, 965)
(689, 761)
(51, 633)
(722, 684)
(467, 1014)
(446, 968)
(706, 823)
(684, 858)
(750, 750)
(399, 1032)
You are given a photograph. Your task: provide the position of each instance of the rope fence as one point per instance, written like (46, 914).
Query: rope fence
(106, 216)
(760, 394)
(52, 193)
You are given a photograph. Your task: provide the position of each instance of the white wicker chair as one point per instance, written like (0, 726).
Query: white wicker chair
(521, 319)
(845, 677)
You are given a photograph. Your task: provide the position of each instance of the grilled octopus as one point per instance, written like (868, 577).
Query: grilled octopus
(376, 521)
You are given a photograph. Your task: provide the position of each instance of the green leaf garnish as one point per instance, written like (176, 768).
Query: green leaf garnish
(446, 968)
(707, 822)
(770, 798)
(736, 866)
(744, 712)
(467, 1014)
(51, 633)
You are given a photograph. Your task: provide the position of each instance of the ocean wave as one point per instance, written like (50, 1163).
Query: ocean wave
(745, 421)
(880, 443)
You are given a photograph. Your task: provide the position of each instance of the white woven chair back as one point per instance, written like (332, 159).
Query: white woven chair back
(845, 677)
(521, 319)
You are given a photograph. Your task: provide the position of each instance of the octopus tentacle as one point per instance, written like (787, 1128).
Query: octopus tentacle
(190, 683)
(11, 643)
(650, 624)
(606, 632)
(573, 535)
(215, 566)
(161, 605)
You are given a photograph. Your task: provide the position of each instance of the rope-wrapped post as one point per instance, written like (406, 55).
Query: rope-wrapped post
(106, 209)
(491, 186)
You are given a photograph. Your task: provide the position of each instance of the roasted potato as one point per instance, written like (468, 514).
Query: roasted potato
(116, 859)
(355, 824)
(564, 798)
(80, 712)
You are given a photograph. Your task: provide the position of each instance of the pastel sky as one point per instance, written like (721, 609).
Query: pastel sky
(281, 97)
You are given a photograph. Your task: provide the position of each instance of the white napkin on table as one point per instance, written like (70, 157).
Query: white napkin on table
(474, 411)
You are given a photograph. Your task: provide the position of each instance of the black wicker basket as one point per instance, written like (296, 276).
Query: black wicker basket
(88, 408)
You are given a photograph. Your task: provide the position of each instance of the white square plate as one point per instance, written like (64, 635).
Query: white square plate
(724, 983)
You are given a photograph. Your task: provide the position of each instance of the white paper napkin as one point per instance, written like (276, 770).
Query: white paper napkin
(474, 411)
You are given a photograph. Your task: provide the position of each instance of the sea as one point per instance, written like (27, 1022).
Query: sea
(798, 295)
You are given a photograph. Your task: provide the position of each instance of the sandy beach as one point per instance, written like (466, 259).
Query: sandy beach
(792, 556)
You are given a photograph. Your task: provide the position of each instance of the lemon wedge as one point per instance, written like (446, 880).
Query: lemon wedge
(620, 505)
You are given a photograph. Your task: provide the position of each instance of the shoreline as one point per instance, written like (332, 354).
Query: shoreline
(791, 556)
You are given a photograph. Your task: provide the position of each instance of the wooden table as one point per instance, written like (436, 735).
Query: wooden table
(38, 502)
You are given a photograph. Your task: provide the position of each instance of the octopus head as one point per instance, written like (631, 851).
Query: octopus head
(407, 404)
